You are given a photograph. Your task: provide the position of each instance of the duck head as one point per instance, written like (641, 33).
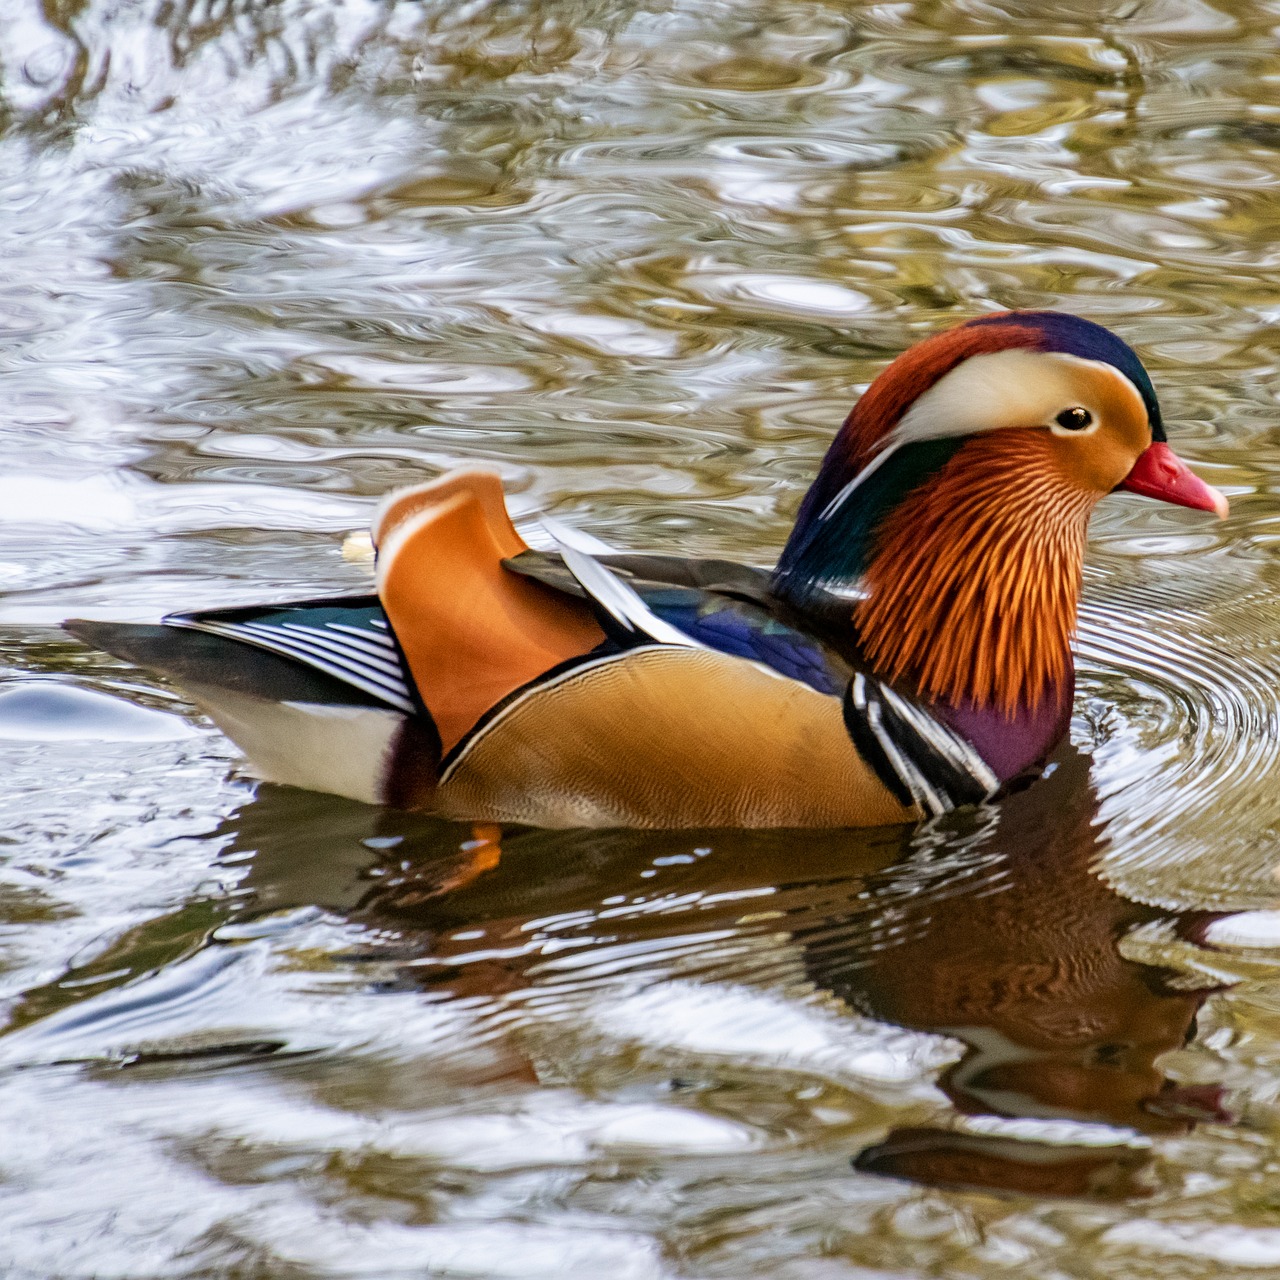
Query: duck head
(947, 523)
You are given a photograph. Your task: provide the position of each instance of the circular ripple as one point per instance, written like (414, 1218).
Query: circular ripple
(1182, 704)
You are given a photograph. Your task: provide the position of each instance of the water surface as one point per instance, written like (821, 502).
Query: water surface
(264, 261)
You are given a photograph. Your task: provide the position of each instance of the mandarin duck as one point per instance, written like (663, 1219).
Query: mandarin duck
(910, 652)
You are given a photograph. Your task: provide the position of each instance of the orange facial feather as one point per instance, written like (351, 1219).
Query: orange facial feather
(973, 585)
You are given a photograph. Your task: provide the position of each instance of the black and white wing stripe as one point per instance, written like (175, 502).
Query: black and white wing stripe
(349, 641)
(921, 760)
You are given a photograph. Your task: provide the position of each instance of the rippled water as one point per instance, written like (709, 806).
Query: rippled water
(263, 261)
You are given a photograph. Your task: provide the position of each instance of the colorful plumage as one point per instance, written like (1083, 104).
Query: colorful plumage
(910, 652)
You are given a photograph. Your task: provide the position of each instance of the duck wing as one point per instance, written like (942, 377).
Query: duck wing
(347, 639)
(337, 650)
(715, 604)
(313, 692)
(718, 605)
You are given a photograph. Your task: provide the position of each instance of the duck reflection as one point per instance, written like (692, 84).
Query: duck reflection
(993, 931)
(1057, 1024)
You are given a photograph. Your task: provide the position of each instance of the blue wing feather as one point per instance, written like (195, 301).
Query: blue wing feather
(748, 631)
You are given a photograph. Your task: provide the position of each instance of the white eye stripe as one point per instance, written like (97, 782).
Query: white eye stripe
(1001, 389)
(1015, 388)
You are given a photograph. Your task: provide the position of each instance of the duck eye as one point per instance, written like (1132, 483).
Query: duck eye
(1074, 419)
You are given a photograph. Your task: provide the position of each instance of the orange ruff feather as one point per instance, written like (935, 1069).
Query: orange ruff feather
(484, 486)
(471, 631)
(975, 579)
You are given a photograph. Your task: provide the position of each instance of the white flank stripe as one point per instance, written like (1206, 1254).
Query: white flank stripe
(923, 794)
(565, 535)
(943, 740)
(620, 601)
(933, 734)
